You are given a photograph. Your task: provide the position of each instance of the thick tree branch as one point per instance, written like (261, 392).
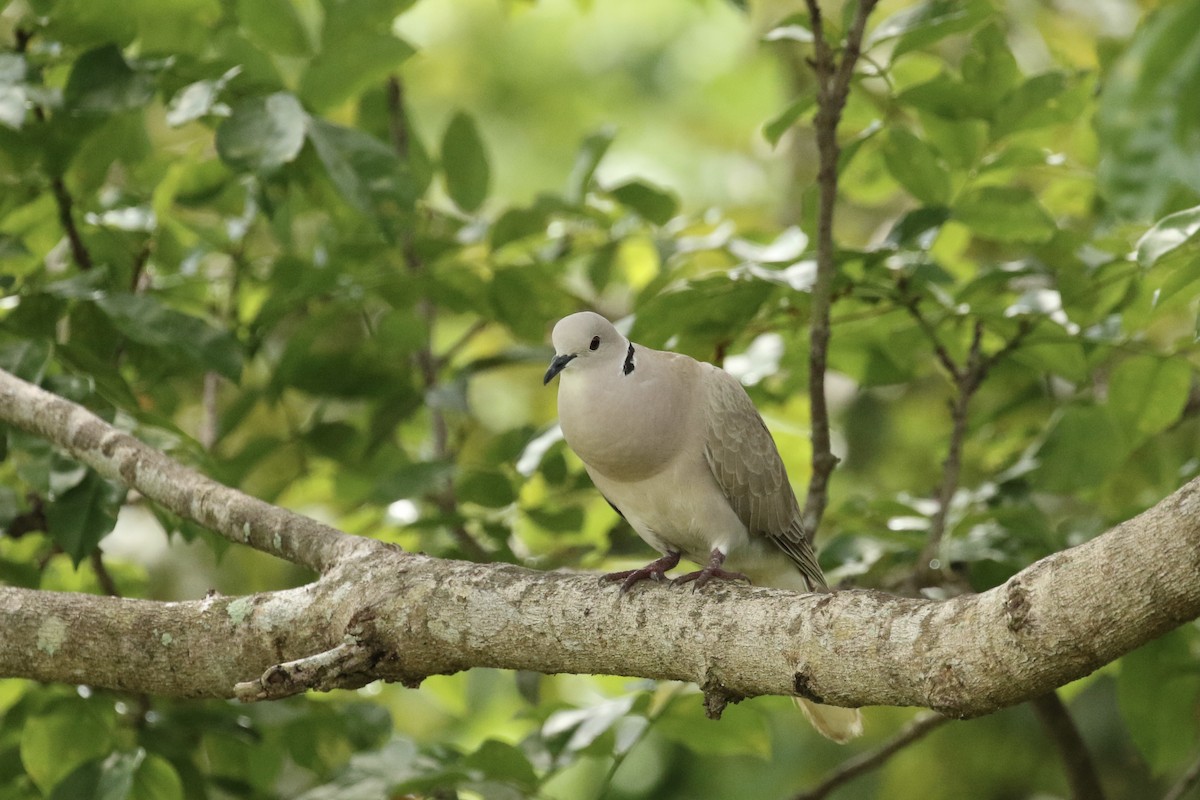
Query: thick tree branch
(403, 617)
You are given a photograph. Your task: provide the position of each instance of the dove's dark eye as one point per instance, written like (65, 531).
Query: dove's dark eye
(595, 345)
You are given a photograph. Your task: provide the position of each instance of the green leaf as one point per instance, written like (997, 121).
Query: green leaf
(1149, 141)
(79, 519)
(651, 203)
(89, 23)
(502, 762)
(488, 488)
(946, 97)
(1168, 234)
(275, 26)
(465, 163)
(348, 66)
(516, 224)
(146, 320)
(1147, 393)
(1041, 101)
(777, 126)
(594, 146)
(1084, 446)
(365, 171)
(916, 166)
(156, 779)
(25, 358)
(928, 22)
(583, 726)
(792, 28)
(989, 66)
(1005, 213)
(68, 734)
(1157, 691)
(102, 82)
(198, 99)
(263, 133)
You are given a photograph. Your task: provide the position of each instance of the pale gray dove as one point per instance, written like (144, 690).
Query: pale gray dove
(678, 449)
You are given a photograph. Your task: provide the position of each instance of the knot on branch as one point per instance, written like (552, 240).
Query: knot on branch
(1017, 608)
(717, 697)
(802, 686)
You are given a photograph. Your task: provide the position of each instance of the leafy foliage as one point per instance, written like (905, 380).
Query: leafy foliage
(275, 241)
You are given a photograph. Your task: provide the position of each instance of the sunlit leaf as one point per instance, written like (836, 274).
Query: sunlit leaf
(1168, 234)
(793, 28)
(263, 133)
(927, 22)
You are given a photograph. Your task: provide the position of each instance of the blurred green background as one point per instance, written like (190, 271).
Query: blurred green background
(320, 247)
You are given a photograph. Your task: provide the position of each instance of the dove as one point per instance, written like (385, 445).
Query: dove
(678, 449)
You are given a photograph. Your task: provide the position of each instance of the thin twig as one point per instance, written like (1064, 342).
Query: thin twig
(833, 85)
(1077, 761)
(911, 304)
(966, 382)
(967, 379)
(62, 197)
(103, 575)
(1185, 784)
(66, 217)
(863, 763)
(428, 364)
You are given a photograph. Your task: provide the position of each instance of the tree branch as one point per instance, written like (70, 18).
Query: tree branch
(1077, 761)
(415, 616)
(120, 457)
(863, 763)
(833, 86)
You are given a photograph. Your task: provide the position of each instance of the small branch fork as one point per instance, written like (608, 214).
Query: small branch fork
(967, 377)
(347, 666)
(833, 75)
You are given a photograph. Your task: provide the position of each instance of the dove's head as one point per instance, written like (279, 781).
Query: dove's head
(586, 341)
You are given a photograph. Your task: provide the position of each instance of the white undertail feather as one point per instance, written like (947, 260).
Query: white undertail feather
(833, 722)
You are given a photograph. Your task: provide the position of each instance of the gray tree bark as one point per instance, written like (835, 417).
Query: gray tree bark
(376, 612)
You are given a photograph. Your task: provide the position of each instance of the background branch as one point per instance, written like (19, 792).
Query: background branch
(864, 762)
(833, 85)
(1077, 761)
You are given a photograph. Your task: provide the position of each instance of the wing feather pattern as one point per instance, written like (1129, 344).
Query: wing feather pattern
(744, 460)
